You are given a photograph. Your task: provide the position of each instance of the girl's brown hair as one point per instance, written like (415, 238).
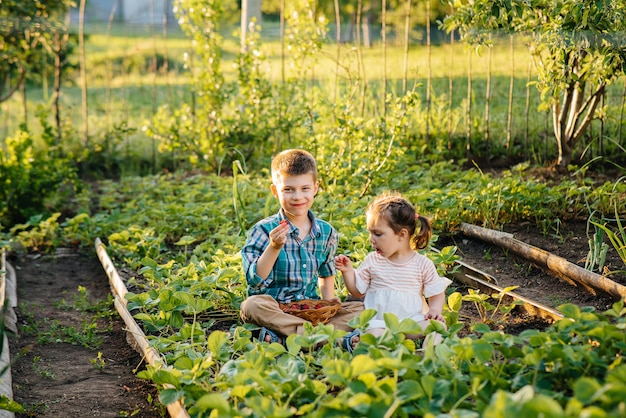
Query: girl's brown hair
(400, 213)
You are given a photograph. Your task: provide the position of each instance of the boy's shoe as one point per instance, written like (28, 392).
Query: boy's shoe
(273, 337)
(346, 341)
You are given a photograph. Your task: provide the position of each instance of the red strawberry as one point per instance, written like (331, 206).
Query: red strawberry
(319, 306)
(284, 222)
(305, 307)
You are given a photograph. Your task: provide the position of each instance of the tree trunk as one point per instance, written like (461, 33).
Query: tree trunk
(571, 116)
(407, 29)
(6, 93)
(366, 31)
(59, 46)
(83, 71)
(338, 52)
(24, 104)
(57, 87)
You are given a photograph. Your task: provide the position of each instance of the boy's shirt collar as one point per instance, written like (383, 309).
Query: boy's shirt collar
(315, 229)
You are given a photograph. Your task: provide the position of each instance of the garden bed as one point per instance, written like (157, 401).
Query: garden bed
(54, 374)
(55, 379)
(571, 243)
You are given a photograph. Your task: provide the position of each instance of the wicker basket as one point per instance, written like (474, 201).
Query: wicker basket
(318, 310)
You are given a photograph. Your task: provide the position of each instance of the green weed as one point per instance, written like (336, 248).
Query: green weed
(82, 302)
(598, 249)
(617, 234)
(98, 363)
(487, 254)
(489, 313)
(43, 370)
(87, 334)
(36, 409)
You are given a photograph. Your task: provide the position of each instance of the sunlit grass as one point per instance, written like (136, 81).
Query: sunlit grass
(123, 86)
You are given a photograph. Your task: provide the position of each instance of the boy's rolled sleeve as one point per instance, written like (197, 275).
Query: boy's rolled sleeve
(250, 254)
(327, 268)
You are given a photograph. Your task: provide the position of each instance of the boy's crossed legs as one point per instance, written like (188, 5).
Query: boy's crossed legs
(264, 311)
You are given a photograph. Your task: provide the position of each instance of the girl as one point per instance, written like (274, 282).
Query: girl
(395, 278)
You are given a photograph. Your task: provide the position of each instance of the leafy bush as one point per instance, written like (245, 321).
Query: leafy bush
(29, 178)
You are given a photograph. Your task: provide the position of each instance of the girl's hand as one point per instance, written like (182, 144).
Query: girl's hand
(278, 235)
(437, 316)
(342, 262)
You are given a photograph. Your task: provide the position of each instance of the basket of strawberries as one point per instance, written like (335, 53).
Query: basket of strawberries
(314, 311)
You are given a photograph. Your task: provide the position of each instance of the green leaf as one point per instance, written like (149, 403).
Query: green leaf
(482, 350)
(185, 240)
(8, 404)
(541, 406)
(163, 377)
(360, 403)
(409, 390)
(455, 301)
(428, 384)
(362, 364)
(362, 321)
(586, 389)
(217, 342)
(212, 402)
(570, 310)
(169, 396)
(338, 372)
(391, 321)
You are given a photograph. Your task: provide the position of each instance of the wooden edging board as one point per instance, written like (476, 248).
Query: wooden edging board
(6, 383)
(134, 332)
(467, 275)
(477, 279)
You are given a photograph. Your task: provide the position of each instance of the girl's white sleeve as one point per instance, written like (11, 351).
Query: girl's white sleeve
(433, 283)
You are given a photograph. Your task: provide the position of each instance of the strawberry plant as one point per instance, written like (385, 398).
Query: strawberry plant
(178, 238)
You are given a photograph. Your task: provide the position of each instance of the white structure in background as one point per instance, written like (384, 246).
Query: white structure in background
(142, 12)
(250, 9)
(155, 12)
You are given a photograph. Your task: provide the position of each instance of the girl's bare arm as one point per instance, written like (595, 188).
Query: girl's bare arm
(344, 265)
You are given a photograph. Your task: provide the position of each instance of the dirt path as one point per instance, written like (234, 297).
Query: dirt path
(54, 374)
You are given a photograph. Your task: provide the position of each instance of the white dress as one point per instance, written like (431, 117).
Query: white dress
(398, 288)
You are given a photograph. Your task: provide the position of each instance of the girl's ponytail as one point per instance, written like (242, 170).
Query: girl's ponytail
(422, 235)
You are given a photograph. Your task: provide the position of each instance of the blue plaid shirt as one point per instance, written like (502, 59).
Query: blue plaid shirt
(299, 264)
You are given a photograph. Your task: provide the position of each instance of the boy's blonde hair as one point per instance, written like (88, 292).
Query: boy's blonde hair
(293, 162)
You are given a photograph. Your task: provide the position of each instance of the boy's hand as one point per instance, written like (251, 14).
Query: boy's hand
(342, 263)
(278, 235)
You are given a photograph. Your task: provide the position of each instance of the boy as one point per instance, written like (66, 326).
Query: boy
(289, 254)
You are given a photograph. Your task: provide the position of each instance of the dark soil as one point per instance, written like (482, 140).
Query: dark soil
(60, 379)
(65, 378)
(571, 243)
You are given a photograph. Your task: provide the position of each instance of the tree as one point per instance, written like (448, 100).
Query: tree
(27, 32)
(578, 46)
